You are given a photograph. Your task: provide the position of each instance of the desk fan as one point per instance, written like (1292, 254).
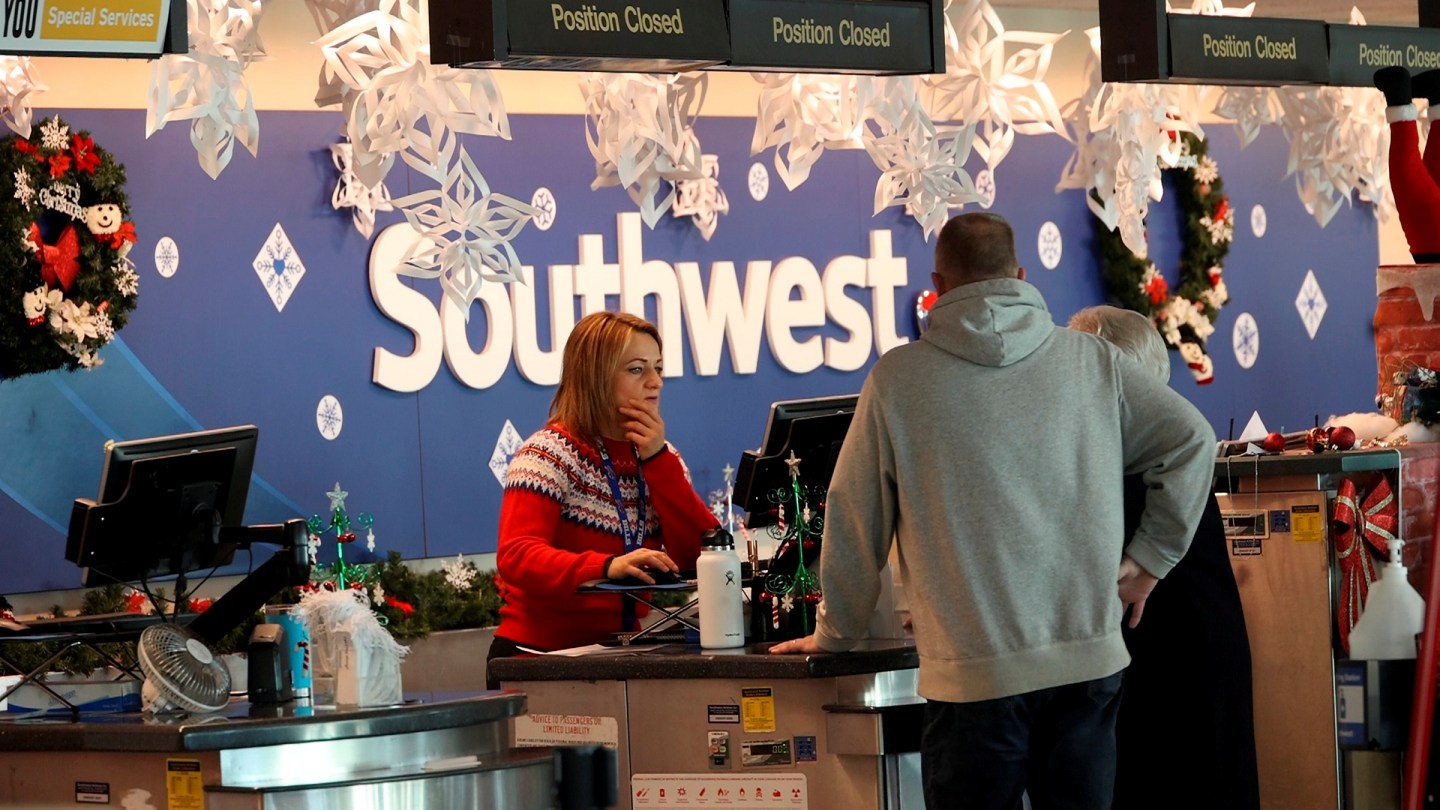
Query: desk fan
(181, 673)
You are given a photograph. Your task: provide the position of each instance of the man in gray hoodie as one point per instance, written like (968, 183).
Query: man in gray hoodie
(993, 452)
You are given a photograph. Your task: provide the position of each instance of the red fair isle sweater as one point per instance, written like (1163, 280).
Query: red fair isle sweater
(559, 524)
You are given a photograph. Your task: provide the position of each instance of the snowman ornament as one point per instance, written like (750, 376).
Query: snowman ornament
(107, 224)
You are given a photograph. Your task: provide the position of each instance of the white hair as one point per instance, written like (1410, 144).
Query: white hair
(1128, 331)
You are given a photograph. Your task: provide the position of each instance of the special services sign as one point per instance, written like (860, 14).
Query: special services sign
(143, 28)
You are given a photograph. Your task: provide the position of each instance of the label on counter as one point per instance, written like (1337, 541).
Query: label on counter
(757, 708)
(779, 791)
(723, 713)
(92, 792)
(1308, 524)
(540, 730)
(184, 788)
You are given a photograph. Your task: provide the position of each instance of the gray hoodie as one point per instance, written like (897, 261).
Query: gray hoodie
(992, 450)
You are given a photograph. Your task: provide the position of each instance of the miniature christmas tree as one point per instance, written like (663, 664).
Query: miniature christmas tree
(341, 573)
(794, 595)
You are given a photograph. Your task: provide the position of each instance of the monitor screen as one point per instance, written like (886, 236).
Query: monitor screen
(161, 505)
(813, 429)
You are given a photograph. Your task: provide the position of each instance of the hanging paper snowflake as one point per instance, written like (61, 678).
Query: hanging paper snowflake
(992, 82)
(1125, 135)
(351, 193)
(922, 166)
(18, 79)
(377, 68)
(467, 229)
(802, 115)
(24, 192)
(639, 128)
(206, 86)
(702, 199)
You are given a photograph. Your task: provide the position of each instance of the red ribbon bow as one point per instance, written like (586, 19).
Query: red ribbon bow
(1375, 521)
(117, 238)
(59, 263)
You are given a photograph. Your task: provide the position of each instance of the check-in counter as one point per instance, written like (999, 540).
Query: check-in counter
(441, 753)
(715, 728)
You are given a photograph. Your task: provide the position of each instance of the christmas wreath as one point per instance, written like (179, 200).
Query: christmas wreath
(66, 287)
(1186, 316)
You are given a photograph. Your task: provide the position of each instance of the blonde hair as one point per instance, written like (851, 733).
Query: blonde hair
(593, 353)
(1128, 331)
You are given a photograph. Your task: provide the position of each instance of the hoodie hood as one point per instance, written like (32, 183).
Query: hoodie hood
(996, 322)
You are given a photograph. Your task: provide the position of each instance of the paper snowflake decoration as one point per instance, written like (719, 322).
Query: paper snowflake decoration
(329, 14)
(1123, 141)
(1339, 143)
(460, 574)
(206, 86)
(802, 115)
(350, 192)
(640, 132)
(377, 69)
(467, 229)
(19, 78)
(922, 166)
(702, 199)
(994, 79)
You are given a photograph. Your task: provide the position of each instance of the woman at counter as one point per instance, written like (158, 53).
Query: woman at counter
(596, 494)
(1185, 735)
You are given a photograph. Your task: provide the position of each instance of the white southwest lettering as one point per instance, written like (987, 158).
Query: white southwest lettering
(778, 299)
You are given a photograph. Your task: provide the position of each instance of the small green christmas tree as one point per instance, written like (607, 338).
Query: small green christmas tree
(343, 574)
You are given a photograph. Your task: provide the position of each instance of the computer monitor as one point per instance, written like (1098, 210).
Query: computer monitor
(813, 429)
(162, 504)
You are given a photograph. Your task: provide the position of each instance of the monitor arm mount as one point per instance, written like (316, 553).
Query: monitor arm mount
(288, 567)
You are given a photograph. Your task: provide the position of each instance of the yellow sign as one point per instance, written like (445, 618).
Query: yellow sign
(184, 787)
(136, 21)
(1307, 523)
(757, 709)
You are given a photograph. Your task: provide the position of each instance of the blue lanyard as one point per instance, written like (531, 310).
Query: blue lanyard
(632, 539)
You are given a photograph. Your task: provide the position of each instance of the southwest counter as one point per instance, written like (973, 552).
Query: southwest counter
(419, 754)
(715, 727)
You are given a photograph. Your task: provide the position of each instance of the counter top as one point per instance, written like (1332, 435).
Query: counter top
(677, 661)
(1304, 463)
(242, 725)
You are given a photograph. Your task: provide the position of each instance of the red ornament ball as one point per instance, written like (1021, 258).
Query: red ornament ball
(1342, 438)
(1273, 443)
(1318, 440)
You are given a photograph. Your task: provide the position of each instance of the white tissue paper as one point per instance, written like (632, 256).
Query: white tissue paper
(354, 655)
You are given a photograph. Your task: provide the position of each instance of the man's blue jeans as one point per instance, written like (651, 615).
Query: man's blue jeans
(1057, 743)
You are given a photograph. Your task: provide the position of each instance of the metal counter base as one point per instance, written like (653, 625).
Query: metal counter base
(442, 754)
(791, 731)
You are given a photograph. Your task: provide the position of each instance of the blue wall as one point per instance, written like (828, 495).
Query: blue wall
(207, 348)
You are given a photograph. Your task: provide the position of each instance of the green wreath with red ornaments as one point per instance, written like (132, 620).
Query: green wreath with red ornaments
(1186, 315)
(66, 286)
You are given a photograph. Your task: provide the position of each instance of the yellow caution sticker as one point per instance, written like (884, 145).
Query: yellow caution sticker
(1307, 523)
(184, 788)
(757, 709)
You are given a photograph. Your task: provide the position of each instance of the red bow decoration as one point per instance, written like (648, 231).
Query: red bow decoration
(59, 263)
(126, 233)
(1374, 520)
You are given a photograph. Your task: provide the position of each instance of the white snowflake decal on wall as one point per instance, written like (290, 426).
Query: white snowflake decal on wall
(279, 267)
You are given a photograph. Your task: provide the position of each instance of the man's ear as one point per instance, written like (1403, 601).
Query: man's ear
(1020, 273)
(939, 282)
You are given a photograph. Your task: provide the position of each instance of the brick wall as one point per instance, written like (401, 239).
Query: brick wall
(1403, 336)
(1419, 476)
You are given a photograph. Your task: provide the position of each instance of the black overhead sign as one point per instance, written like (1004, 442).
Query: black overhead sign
(621, 35)
(1139, 42)
(1357, 51)
(836, 36)
(1246, 50)
(825, 36)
